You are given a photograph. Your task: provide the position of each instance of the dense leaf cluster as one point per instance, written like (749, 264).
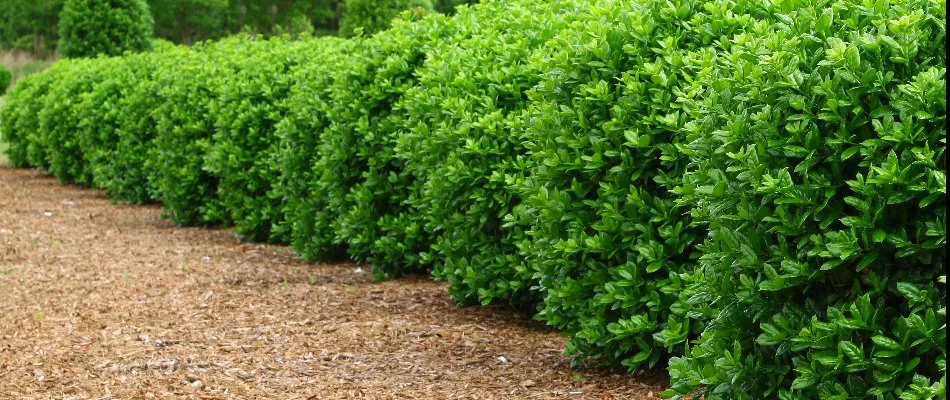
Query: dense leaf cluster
(750, 193)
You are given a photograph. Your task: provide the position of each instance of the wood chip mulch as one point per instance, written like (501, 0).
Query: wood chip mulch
(109, 301)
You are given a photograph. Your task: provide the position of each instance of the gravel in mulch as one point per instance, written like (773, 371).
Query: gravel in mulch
(101, 300)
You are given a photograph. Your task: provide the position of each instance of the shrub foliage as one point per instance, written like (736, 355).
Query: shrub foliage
(817, 165)
(5, 77)
(749, 193)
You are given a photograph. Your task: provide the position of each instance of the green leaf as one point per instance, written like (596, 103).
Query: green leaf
(879, 235)
(805, 378)
(824, 21)
(866, 260)
(851, 350)
(910, 292)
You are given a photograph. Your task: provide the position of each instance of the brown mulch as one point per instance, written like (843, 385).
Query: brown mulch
(101, 300)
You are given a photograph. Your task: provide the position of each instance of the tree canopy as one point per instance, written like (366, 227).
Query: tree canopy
(32, 25)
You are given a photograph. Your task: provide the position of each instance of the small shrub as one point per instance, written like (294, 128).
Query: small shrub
(5, 77)
(18, 117)
(59, 116)
(88, 28)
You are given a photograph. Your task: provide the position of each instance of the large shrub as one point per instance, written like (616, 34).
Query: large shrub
(371, 16)
(818, 167)
(88, 28)
(5, 77)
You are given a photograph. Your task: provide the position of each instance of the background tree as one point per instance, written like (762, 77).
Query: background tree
(88, 28)
(374, 15)
(30, 25)
(284, 16)
(448, 6)
(189, 21)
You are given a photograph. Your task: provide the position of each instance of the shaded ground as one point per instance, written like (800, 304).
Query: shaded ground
(101, 300)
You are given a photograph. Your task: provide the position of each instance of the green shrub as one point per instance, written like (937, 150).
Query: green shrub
(5, 77)
(175, 161)
(27, 122)
(88, 28)
(610, 247)
(818, 166)
(299, 132)
(246, 150)
(373, 16)
(117, 125)
(755, 189)
(18, 122)
(361, 185)
(461, 143)
(59, 117)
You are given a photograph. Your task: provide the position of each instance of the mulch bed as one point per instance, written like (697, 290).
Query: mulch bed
(102, 300)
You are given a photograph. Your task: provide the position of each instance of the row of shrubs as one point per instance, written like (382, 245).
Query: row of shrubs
(750, 193)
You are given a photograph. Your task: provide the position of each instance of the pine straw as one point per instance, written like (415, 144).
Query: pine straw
(101, 300)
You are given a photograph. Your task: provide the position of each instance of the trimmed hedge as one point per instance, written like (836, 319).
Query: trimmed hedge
(245, 153)
(610, 247)
(59, 117)
(299, 132)
(118, 125)
(818, 167)
(360, 182)
(750, 193)
(18, 122)
(184, 123)
(461, 145)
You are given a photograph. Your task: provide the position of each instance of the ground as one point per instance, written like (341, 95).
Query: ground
(101, 300)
